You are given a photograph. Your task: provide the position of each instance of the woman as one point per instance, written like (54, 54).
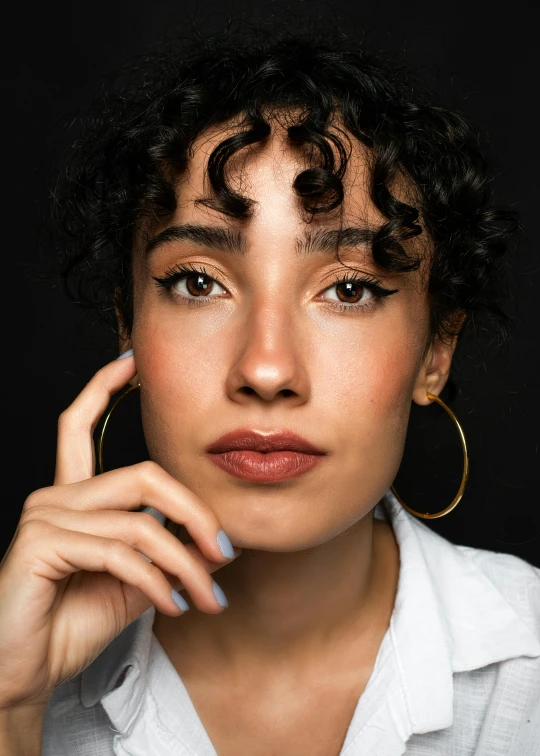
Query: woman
(292, 237)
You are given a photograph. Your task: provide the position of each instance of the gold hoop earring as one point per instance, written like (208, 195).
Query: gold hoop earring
(101, 438)
(170, 525)
(464, 477)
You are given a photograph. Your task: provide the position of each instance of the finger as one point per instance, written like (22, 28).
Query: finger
(75, 448)
(55, 553)
(143, 533)
(144, 484)
(208, 564)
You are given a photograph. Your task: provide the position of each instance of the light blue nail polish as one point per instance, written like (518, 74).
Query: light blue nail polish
(220, 596)
(180, 601)
(225, 546)
(125, 354)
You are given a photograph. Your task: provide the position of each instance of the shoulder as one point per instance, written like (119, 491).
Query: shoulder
(488, 603)
(516, 579)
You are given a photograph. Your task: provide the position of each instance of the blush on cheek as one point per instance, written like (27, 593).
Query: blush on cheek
(159, 367)
(180, 386)
(165, 355)
(391, 382)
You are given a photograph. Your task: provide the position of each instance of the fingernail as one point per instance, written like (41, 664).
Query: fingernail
(225, 546)
(180, 601)
(220, 596)
(125, 354)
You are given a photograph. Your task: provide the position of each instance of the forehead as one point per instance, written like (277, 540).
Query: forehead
(265, 172)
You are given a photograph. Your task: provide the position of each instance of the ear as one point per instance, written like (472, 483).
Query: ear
(124, 340)
(436, 365)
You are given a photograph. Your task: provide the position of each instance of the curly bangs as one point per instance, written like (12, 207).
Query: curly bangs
(137, 140)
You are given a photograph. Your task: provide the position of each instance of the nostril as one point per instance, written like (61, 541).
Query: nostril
(247, 390)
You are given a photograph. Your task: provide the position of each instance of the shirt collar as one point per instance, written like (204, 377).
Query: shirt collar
(448, 617)
(121, 665)
(125, 659)
(478, 623)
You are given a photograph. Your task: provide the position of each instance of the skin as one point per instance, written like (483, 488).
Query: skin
(311, 596)
(273, 354)
(313, 580)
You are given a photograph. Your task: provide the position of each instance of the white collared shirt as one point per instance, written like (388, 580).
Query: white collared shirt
(457, 672)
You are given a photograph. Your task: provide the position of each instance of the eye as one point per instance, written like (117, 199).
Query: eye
(197, 285)
(350, 292)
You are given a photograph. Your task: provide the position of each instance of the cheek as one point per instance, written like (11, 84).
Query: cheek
(361, 373)
(365, 391)
(182, 374)
(389, 378)
(177, 356)
(369, 370)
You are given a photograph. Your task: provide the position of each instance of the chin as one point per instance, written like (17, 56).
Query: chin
(272, 529)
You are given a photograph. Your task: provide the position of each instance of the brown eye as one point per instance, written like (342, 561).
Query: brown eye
(198, 285)
(348, 291)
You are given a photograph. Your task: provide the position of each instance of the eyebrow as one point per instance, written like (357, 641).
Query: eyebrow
(205, 236)
(332, 240)
(229, 240)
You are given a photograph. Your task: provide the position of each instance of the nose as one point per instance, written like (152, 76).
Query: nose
(270, 360)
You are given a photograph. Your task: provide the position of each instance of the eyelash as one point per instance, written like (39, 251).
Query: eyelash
(179, 272)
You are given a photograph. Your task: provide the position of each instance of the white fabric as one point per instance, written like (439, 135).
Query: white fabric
(457, 672)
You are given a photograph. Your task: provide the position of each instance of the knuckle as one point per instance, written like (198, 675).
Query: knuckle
(32, 530)
(115, 551)
(153, 574)
(210, 517)
(148, 573)
(148, 529)
(70, 419)
(204, 516)
(193, 573)
(33, 500)
(44, 501)
(39, 513)
(147, 525)
(149, 471)
(101, 376)
(65, 418)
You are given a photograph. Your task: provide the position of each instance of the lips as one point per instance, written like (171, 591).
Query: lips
(264, 457)
(262, 442)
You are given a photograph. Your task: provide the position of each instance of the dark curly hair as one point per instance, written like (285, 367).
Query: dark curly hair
(137, 139)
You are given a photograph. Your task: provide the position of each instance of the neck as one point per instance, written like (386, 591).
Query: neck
(283, 599)
(301, 600)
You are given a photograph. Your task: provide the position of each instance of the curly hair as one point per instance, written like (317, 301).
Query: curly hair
(137, 140)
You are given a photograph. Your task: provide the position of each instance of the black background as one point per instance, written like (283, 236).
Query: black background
(483, 60)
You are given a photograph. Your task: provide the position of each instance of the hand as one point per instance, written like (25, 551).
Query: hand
(72, 578)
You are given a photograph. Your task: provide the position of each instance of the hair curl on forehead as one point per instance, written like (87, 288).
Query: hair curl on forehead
(138, 137)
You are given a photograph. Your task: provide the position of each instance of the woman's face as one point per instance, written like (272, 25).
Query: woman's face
(263, 337)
